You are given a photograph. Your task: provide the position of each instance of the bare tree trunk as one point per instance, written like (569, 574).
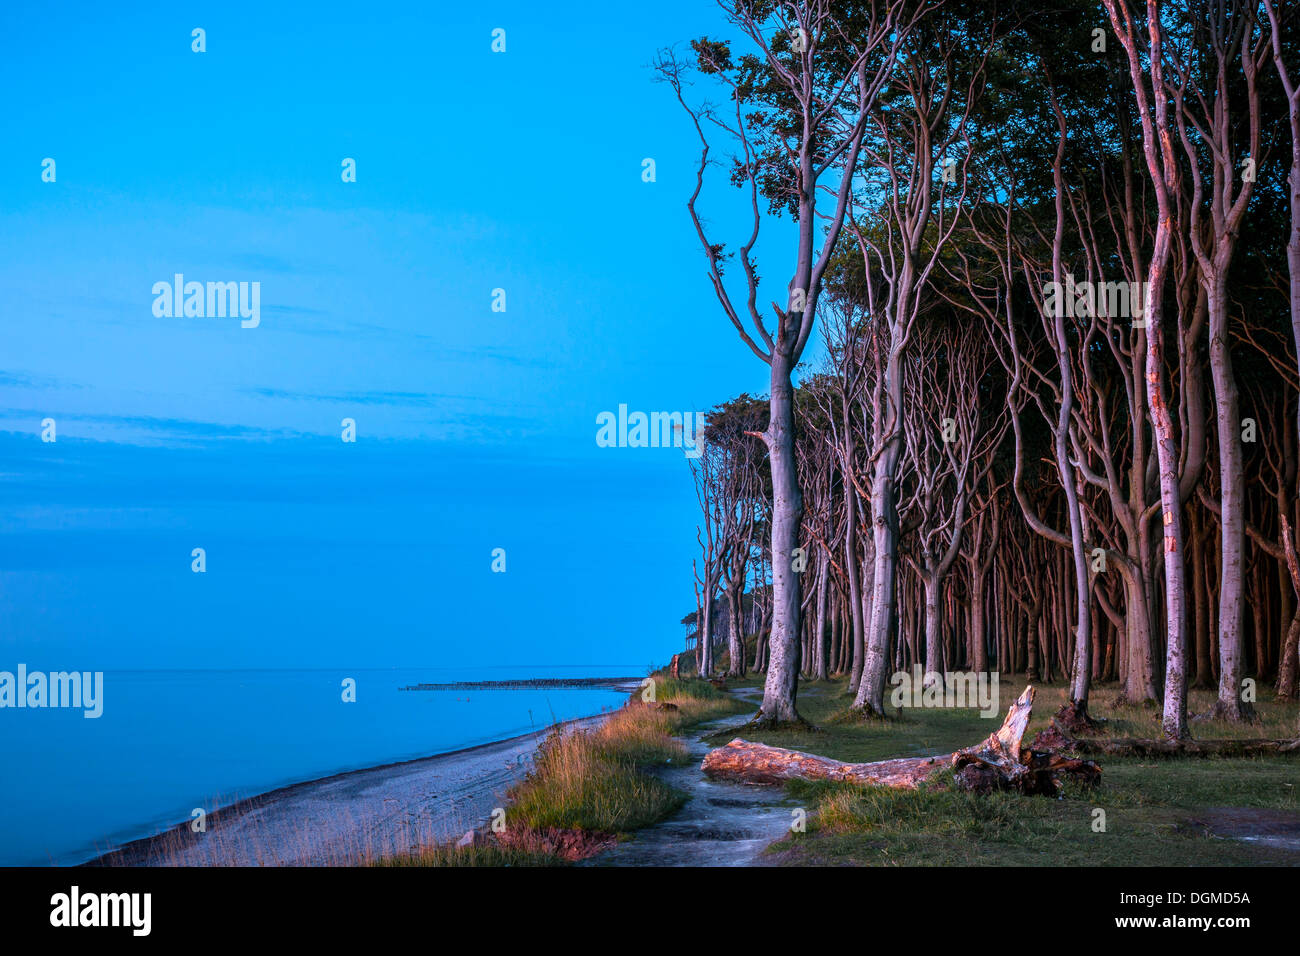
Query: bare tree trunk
(821, 636)
(1204, 677)
(735, 631)
(1157, 147)
(1289, 663)
(855, 586)
(706, 637)
(934, 661)
(871, 689)
(1232, 534)
(787, 514)
(979, 655)
(1292, 90)
(1139, 671)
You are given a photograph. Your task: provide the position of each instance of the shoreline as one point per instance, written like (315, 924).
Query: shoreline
(352, 816)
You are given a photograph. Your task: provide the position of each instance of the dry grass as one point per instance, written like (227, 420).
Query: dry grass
(594, 779)
(1154, 806)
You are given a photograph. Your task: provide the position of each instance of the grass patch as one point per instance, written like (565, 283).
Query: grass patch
(595, 779)
(591, 780)
(450, 855)
(1152, 805)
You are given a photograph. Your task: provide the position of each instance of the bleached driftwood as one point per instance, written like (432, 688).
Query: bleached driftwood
(997, 763)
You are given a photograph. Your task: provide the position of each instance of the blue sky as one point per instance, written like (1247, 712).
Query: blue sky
(476, 429)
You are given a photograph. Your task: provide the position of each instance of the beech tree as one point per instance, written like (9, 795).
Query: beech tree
(1062, 232)
(807, 90)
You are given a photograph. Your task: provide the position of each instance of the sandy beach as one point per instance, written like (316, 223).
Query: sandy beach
(349, 817)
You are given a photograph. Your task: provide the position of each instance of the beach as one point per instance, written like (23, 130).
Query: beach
(355, 817)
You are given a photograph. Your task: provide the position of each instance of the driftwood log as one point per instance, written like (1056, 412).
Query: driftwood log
(998, 763)
(758, 763)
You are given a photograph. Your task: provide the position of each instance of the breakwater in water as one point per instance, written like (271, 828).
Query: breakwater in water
(617, 683)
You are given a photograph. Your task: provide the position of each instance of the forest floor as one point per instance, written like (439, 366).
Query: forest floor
(1157, 812)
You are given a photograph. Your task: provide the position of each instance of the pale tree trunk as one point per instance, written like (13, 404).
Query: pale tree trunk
(934, 663)
(1081, 677)
(1292, 90)
(735, 632)
(706, 637)
(977, 568)
(1230, 33)
(820, 650)
(1157, 148)
(928, 131)
(1078, 548)
(884, 516)
(1202, 616)
(1174, 717)
(787, 515)
(980, 563)
(868, 589)
(855, 586)
(830, 114)
(1138, 672)
(1232, 511)
(1287, 660)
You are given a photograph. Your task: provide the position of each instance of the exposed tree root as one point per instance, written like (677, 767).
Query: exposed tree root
(760, 722)
(1074, 717)
(1001, 763)
(866, 712)
(1242, 713)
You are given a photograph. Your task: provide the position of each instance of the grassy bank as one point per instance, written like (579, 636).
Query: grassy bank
(1157, 812)
(590, 787)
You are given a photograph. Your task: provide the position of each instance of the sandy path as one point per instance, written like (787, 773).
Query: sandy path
(721, 824)
(363, 814)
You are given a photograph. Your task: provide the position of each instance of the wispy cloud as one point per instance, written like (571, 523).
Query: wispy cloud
(129, 428)
(419, 399)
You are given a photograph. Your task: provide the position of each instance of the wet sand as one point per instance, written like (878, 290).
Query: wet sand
(350, 817)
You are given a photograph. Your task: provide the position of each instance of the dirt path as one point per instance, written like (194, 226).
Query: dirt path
(722, 824)
(1275, 829)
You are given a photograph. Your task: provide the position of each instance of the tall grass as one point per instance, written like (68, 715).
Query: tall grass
(595, 779)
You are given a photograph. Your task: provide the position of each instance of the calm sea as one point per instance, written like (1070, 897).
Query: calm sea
(171, 741)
